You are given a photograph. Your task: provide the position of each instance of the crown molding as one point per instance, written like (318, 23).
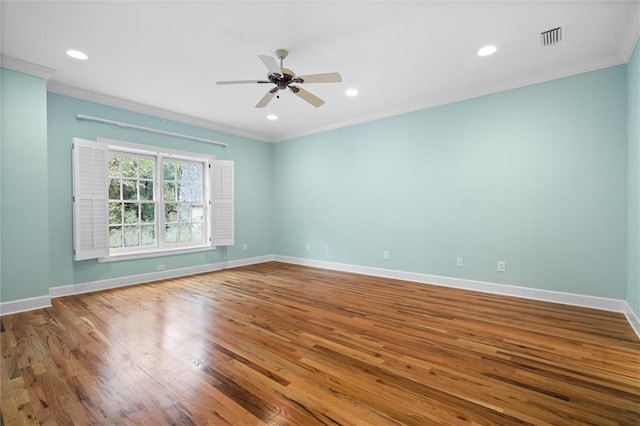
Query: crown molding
(30, 68)
(461, 96)
(90, 96)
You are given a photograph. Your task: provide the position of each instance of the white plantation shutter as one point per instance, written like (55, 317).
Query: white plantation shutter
(222, 202)
(90, 199)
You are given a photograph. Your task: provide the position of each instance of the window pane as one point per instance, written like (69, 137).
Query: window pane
(129, 167)
(169, 191)
(114, 189)
(183, 192)
(146, 189)
(184, 213)
(196, 193)
(114, 165)
(191, 172)
(197, 232)
(115, 213)
(115, 237)
(171, 234)
(129, 190)
(147, 236)
(147, 212)
(146, 168)
(131, 236)
(197, 213)
(190, 192)
(131, 213)
(170, 213)
(169, 171)
(185, 233)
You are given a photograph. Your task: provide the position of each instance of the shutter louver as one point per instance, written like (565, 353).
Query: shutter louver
(90, 202)
(222, 205)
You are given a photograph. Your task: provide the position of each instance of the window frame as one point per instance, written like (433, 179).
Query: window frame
(161, 154)
(109, 146)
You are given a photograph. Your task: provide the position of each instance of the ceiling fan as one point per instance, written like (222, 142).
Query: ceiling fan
(284, 78)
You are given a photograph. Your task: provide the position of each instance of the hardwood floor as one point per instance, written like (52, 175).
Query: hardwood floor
(280, 344)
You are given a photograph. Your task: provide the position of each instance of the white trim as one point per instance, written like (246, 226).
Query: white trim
(23, 305)
(153, 150)
(25, 67)
(86, 95)
(153, 253)
(603, 303)
(632, 318)
(91, 286)
(248, 261)
(621, 57)
(88, 287)
(453, 97)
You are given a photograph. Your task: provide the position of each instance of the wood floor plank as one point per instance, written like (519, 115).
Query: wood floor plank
(279, 344)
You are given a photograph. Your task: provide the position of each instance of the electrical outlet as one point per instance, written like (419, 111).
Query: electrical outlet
(385, 255)
(326, 248)
(308, 248)
(502, 266)
(160, 268)
(459, 262)
(244, 246)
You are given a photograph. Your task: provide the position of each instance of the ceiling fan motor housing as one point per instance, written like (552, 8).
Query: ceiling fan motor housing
(282, 81)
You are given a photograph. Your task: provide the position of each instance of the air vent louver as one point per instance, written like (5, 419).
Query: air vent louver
(551, 37)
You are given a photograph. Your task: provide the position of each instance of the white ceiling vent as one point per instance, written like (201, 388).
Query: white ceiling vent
(552, 36)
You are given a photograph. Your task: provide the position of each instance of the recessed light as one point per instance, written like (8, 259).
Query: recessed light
(487, 50)
(76, 54)
(351, 92)
(272, 117)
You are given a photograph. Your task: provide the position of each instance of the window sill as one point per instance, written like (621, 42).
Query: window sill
(155, 253)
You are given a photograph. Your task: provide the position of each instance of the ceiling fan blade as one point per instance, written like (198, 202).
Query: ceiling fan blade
(330, 77)
(271, 64)
(222, 83)
(307, 96)
(266, 98)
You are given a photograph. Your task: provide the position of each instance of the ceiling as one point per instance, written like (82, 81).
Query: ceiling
(164, 57)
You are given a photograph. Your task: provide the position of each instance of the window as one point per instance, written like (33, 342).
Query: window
(132, 204)
(183, 196)
(134, 201)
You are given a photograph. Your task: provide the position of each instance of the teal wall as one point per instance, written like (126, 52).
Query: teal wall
(25, 229)
(252, 181)
(534, 176)
(538, 177)
(633, 99)
(38, 128)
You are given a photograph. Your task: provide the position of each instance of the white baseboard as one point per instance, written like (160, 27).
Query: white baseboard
(603, 303)
(595, 302)
(30, 304)
(248, 261)
(24, 305)
(633, 319)
(80, 288)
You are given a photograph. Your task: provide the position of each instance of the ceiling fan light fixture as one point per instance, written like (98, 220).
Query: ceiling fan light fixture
(283, 78)
(351, 92)
(487, 50)
(76, 54)
(272, 117)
